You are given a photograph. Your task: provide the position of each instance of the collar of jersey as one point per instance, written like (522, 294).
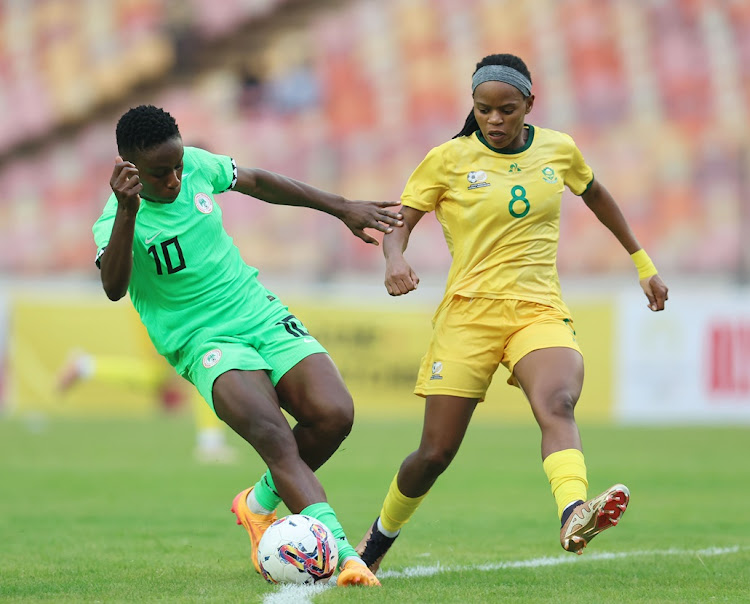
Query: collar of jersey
(513, 151)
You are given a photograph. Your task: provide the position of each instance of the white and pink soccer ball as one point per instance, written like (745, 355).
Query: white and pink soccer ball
(298, 549)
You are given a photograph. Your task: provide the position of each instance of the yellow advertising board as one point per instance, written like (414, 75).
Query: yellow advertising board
(44, 333)
(376, 347)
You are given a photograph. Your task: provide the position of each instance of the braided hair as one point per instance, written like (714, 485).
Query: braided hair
(144, 127)
(471, 125)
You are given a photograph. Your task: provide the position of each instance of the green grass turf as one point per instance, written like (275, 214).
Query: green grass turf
(120, 511)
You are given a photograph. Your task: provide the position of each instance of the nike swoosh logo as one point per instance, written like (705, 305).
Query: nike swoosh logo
(148, 240)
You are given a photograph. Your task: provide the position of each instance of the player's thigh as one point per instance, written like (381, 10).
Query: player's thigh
(247, 402)
(540, 328)
(314, 389)
(550, 377)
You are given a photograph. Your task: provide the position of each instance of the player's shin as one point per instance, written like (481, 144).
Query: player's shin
(396, 511)
(566, 471)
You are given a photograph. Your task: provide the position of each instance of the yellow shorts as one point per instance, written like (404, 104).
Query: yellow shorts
(472, 336)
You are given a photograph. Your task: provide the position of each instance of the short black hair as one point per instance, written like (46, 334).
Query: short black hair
(471, 126)
(144, 127)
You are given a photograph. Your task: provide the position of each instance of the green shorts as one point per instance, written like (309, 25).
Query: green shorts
(274, 341)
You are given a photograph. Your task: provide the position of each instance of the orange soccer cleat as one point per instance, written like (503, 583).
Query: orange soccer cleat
(354, 572)
(255, 524)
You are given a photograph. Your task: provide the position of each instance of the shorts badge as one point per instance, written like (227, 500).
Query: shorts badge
(211, 358)
(437, 367)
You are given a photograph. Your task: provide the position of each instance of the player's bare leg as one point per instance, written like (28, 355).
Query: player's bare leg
(552, 379)
(247, 402)
(315, 395)
(446, 420)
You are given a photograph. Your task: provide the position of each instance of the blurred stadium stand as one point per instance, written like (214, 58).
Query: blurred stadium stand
(350, 95)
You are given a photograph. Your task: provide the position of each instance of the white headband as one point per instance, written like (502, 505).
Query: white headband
(501, 73)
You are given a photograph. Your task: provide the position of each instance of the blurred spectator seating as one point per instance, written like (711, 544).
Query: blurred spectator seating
(353, 101)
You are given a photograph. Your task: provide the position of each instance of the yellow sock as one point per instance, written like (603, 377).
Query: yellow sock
(398, 508)
(566, 472)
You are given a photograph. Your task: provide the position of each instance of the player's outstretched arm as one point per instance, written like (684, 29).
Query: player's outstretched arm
(400, 278)
(357, 215)
(601, 202)
(603, 205)
(116, 262)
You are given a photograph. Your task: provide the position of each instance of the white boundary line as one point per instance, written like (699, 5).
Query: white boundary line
(302, 594)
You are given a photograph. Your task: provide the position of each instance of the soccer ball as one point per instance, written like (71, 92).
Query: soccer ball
(298, 549)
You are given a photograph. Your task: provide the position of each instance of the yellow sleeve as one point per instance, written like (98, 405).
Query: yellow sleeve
(579, 176)
(426, 185)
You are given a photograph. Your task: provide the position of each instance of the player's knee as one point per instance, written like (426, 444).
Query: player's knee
(561, 404)
(336, 420)
(272, 442)
(436, 459)
(327, 420)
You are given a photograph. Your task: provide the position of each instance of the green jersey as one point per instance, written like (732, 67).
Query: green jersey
(188, 280)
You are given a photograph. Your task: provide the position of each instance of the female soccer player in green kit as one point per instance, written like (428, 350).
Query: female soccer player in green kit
(496, 189)
(160, 238)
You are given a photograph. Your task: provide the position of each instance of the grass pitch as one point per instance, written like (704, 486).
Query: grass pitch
(120, 512)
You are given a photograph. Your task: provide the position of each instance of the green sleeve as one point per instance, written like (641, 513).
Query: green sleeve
(220, 170)
(102, 228)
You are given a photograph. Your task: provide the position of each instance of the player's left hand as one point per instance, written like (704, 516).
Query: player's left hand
(361, 215)
(656, 292)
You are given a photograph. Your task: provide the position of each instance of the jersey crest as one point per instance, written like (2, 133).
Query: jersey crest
(203, 202)
(477, 179)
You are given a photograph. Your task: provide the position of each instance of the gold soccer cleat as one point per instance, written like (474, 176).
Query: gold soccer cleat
(594, 516)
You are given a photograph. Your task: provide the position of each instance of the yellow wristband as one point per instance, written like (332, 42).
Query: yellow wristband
(644, 265)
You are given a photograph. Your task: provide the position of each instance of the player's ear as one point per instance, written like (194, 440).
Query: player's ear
(529, 103)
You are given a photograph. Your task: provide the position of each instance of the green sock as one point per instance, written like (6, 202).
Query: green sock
(265, 492)
(324, 512)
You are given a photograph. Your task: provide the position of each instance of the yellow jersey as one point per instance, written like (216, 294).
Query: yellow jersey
(500, 212)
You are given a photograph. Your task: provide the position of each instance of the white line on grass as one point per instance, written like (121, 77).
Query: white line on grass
(303, 594)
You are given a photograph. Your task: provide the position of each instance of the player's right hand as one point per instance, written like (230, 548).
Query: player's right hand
(126, 184)
(400, 279)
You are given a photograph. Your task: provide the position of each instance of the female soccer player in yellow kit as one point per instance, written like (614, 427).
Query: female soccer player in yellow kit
(496, 189)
